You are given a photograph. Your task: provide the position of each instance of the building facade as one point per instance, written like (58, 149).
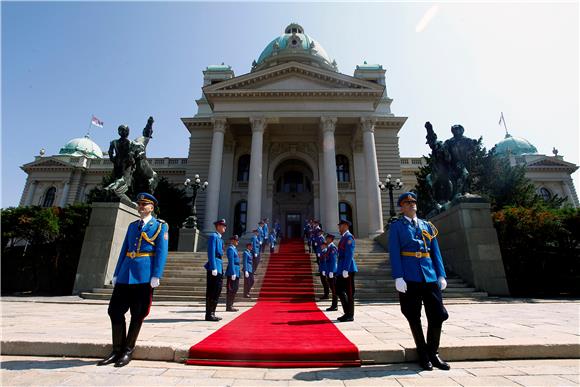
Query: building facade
(291, 140)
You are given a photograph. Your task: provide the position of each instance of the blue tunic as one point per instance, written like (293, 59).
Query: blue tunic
(233, 261)
(248, 260)
(255, 244)
(331, 256)
(346, 248)
(151, 242)
(404, 237)
(215, 248)
(322, 261)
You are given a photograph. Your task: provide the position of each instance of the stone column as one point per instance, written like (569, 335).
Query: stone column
(255, 183)
(215, 171)
(329, 182)
(64, 196)
(31, 192)
(375, 218)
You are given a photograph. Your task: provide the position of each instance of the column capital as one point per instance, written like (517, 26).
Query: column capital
(328, 124)
(220, 124)
(258, 124)
(367, 124)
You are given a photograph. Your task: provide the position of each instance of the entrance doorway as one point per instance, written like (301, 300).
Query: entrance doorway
(293, 225)
(293, 199)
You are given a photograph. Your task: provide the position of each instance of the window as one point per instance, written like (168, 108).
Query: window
(345, 211)
(49, 197)
(293, 181)
(240, 216)
(545, 194)
(342, 170)
(244, 168)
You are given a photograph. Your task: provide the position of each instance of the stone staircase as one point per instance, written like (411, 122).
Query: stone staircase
(184, 279)
(374, 283)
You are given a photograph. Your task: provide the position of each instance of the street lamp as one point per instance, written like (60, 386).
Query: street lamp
(196, 185)
(389, 185)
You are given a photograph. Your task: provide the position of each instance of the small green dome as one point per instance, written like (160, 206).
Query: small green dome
(514, 146)
(82, 146)
(294, 45)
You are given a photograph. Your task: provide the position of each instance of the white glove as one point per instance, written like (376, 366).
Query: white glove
(114, 281)
(442, 283)
(315, 244)
(214, 272)
(233, 277)
(323, 273)
(401, 285)
(154, 282)
(255, 255)
(247, 274)
(260, 242)
(345, 274)
(330, 274)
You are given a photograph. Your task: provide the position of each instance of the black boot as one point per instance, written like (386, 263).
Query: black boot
(134, 328)
(119, 333)
(213, 308)
(334, 305)
(417, 331)
(230, 303)
(209, 310)
(433, 339)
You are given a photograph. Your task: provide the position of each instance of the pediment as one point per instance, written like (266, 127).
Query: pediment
(293, 77)
(551, 162)
(47, 163)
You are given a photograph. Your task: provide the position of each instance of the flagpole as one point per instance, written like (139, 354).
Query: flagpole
(89, 129)
(504, 124)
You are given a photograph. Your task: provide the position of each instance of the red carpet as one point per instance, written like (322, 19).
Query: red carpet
(284, 329)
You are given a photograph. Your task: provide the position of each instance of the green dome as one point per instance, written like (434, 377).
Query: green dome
(294, 45)
(514, 146)
(82, 146)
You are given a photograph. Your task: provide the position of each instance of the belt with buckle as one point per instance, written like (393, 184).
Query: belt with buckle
(134, 254)
(416, 254)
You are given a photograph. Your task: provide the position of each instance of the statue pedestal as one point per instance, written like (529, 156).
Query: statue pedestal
(469, 246)
(103, 241)
(191, 239)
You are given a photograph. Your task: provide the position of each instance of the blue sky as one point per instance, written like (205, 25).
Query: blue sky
(123, 61)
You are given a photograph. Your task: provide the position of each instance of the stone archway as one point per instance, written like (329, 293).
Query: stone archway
(292, 196)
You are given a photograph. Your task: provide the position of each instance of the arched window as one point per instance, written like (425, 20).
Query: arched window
(240, 216)
(293, 181)
(345, 212)
(342, 170)
(244, 168)
(545, 194)
(49, 197)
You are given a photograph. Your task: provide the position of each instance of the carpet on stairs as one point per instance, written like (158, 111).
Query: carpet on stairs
(284, 329)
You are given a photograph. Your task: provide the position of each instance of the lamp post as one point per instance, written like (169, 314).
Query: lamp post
(389, 185)
(195, 186)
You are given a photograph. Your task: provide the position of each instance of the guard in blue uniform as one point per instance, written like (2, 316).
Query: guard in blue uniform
(322, 270)
(138, 270)
(214, 270)
(266, 232)
(261, 234)
(248, 268)
(272, 241)
(346, 269)
(232, 273)
(256, 247)
(417, 268)
(331, 268)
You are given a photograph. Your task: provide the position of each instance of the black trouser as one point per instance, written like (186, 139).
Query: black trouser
(325, 286)
(248, 284)
(136, 298)
(428, 294)
(332, 286)
(213, 291)
(345, 292)
(232, 289)
(256, 262)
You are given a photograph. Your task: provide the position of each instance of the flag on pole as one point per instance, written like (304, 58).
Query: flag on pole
(501, 119)
(96, 122)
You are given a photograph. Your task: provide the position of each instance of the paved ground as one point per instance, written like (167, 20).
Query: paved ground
(507, 329)
(33, 371)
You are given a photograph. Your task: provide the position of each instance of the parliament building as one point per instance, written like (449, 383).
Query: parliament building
(291, 140)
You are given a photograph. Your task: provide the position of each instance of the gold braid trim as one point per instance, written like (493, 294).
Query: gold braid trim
(146, 237)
